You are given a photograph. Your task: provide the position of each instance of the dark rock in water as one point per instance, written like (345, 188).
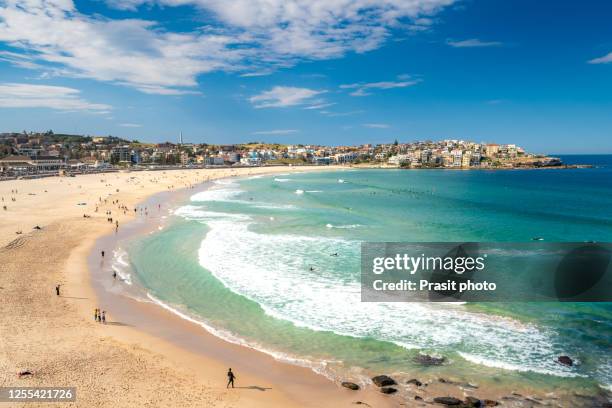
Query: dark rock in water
(388, 390)
(415, 382)
(473, 402)
(383, 380)
(427, 360)
(490, 403)
(350, 385)
(449, 401)
(565, 360)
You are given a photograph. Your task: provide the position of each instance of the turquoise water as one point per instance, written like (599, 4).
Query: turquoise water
(238, 256)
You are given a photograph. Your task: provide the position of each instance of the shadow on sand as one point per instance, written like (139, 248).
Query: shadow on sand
(118, 324)
(254, 387)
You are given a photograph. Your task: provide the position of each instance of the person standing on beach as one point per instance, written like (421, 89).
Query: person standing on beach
(95, 314)
(103, 320)
(230, 378)
(57, 290)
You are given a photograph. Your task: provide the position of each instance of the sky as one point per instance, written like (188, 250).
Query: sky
(334, 72)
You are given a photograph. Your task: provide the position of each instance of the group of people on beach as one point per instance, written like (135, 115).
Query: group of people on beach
(13, 199)
(100, 316)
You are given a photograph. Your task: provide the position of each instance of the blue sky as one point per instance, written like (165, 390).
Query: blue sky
(538, 74)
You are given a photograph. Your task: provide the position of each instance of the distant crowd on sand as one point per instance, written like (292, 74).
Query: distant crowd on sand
(13, 199)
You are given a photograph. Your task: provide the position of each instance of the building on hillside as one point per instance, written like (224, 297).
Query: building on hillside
(491, 150)
(121, 154)
(466, 159)
(184, 157)
(457, 156)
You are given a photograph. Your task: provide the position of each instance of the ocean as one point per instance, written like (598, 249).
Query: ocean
(251, 260)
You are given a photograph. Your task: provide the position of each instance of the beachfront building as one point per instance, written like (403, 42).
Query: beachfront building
(23, 165)
(341, 158)
(250, 161)
(214, 161)
(16, 164)
(321, 160)
(400, 159)
(121, 154)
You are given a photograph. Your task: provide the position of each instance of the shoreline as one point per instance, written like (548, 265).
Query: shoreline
(95, 357)
(272, 383)
(477, 168)
(188, 340)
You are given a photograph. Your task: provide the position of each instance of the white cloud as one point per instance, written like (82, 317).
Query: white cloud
(339, 114)
(264, 72)
(132, 52)
(376, 125)
(247, 36)
(361, 89)
(606, 59)
(320, 105)
(284, 96)
(276, 132)
(130, 125)
(15, 95)
(473, 42)
(313, 28)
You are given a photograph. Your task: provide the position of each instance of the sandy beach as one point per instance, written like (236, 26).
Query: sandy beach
(56, 340)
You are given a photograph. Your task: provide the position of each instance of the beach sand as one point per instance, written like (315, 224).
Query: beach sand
(56, 339)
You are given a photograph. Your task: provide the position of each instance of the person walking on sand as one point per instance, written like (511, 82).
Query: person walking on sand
(57, 290)
(104, 316)
(230, 378)
(96, 310)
